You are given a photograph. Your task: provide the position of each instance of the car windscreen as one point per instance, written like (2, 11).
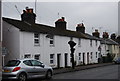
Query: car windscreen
(13, 63)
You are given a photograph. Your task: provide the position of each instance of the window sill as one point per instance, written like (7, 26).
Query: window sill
(52, 64)
(52, 45)
(36, 44)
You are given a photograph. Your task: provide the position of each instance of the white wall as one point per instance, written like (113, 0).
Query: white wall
(11, 41)
(60, 47)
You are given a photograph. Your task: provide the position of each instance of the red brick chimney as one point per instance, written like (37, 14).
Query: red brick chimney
(61, 23)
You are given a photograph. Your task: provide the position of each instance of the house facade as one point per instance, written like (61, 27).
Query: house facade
(26, 39)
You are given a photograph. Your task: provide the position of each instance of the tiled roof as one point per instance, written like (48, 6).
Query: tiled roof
(40, 28)
(108, 41)
(91, 37)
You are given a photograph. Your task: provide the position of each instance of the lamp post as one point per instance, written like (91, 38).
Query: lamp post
(72, 49)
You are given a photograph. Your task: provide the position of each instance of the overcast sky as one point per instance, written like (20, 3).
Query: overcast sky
(95, 15)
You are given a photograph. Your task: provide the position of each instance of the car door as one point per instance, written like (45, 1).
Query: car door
(29, 68)
(39, 70)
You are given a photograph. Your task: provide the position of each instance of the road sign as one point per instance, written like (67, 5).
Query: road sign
(4, 51)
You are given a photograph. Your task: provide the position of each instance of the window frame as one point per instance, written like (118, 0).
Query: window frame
(25, 56)
(79, 42)
(91, 42)
(37, 57)
(36, 38)
(52, 59)
(51, 40)
(79, 56)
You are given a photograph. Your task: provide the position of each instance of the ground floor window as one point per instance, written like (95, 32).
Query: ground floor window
(37, 57)
(51, 58)
(79, 56)
(27, 56)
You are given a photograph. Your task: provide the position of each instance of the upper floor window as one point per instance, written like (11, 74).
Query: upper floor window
(96, 54)
(90, 42)
(79, 42)
(36, 39)
(114, 47)
(51, 40)
(96, 42)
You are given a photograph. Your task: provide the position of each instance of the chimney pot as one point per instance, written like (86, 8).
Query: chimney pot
(61, 23)
(80, 28)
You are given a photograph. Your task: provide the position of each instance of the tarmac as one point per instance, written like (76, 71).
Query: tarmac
(78, 68)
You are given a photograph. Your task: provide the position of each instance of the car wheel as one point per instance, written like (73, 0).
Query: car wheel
(49, 74)
(22, 77)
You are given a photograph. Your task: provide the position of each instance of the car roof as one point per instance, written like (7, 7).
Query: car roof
(24, 59)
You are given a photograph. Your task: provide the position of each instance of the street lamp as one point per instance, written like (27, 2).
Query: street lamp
(72, 49)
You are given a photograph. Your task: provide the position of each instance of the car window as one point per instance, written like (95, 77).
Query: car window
(36, 63)
(13, 63)
(27, 62)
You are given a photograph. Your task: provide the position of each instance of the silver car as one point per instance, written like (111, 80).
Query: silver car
(26, 69)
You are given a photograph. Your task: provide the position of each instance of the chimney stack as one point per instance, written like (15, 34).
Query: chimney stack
(96, 33)
(28, 15)
(61, 23)
(80, 28)
(105, 35)
(113, 36)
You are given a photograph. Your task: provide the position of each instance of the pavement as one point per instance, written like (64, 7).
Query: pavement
(78, 68)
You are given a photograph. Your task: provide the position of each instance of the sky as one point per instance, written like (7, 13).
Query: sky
(95, 14)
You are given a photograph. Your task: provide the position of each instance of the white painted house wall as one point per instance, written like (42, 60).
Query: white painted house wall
(104, 48)
(20, 43)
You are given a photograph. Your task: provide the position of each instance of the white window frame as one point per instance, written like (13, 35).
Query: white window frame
(27, 56)
(79, 42)
(37, 38)
(91, 42)
(51, 39)
(52, 59)
(79, 56)
(96, 42)
(37, 55)
(96, 54)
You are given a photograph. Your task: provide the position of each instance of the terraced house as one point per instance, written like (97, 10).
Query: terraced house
(26, 39)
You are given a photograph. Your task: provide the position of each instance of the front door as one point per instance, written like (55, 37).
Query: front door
(58, 60)
(83, 58)
(66, 59)
(38, 69)
(87, 58)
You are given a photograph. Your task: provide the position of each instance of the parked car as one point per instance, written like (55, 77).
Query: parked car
(25, 69)
(117, 60)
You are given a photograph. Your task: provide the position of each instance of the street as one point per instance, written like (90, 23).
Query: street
(105, 72)
(101, 73)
